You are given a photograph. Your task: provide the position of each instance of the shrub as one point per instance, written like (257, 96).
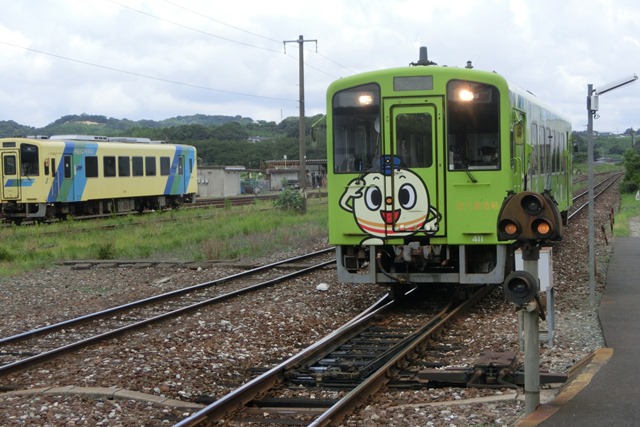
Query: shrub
(290, 199)
(106, 250)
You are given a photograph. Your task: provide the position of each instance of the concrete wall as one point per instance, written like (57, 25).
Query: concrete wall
(217, 181)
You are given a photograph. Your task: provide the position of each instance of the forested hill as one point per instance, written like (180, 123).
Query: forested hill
(237, 140)
(94, 124)
(220, 140)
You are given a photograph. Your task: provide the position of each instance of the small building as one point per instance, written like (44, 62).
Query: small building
(277, 170)
(219, 181)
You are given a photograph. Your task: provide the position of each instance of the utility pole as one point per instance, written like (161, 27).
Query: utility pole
(593, 106)
(302, 174)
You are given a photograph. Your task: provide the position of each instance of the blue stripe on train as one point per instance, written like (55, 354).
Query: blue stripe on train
(22, 182)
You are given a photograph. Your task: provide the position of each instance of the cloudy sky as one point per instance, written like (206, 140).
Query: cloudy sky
(156, 59)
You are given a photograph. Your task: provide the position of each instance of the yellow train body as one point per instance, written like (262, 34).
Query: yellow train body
(60, 176)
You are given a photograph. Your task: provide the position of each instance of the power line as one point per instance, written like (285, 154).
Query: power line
(220, 22)
(105, 67)
(202, 15)
(192, 29)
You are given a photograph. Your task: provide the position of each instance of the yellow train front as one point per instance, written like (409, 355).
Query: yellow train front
(420, 160)
(84, 175)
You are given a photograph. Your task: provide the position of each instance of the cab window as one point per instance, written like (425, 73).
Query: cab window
(29, 159)
(473, 125)
(356, 129)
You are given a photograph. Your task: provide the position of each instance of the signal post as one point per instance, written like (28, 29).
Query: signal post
(529, 218)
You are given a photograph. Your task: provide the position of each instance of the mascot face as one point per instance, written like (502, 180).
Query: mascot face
(391, 203)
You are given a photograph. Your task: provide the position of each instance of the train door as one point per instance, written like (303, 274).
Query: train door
(10, 176)
(67, 188)
(180, 175)
(415, 188)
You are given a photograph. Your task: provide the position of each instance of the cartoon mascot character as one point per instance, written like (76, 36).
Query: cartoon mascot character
(380, 214)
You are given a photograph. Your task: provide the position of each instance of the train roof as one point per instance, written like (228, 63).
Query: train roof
(97, 138)
(445, 72)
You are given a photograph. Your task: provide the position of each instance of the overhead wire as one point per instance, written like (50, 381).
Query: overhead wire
(144, 75)
(191, 28)
(195, 30)
(202, 15)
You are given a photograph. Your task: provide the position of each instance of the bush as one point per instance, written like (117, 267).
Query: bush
(631, 181)
(628, 187)
(290, 199)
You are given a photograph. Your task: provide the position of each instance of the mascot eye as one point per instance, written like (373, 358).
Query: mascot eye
(407, 196)
(373, 198)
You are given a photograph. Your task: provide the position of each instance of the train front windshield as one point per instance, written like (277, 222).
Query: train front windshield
(473, 123)
(356, 124)
(473, 112)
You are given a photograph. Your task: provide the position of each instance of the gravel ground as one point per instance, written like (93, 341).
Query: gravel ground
(153, 376)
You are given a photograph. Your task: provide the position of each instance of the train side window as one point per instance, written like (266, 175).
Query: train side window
(91, 166)
(165, 166)
(534, 150)
(137, 166)
(109, 166)
(9, 165)
(124, 166)
(150, 166)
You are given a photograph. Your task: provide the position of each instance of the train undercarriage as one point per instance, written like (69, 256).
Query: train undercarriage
(18, 212)
(416, 263)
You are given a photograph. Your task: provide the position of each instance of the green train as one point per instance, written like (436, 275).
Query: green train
(420, 159)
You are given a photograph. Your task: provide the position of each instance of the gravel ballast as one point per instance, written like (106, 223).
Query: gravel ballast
(153, 376)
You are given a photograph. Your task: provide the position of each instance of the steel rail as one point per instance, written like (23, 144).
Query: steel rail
(39, 358)
(608, 184)
(339, 410)
(245, 393)
(613, 177)
(155, 298)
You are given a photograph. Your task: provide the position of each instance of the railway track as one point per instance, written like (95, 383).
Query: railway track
(599, 189)
(200, 203)
(357, 359)
(29, 348)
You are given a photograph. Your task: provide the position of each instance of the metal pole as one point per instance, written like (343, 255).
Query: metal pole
(592, 254)
(302, 174)
(532, 347)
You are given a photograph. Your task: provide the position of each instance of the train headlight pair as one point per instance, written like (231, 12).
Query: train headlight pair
(529, 216)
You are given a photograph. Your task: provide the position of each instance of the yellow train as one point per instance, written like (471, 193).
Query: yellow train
(84, 175)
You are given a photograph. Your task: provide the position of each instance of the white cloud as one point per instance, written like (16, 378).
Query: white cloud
(552, 48)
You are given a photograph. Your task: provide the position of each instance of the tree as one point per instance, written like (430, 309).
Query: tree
(230, 132)
(631, 181)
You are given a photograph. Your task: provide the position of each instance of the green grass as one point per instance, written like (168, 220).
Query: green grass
(629, 208)
(243, 232)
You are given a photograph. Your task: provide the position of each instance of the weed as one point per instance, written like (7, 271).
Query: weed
(106, 250)
(250, 231)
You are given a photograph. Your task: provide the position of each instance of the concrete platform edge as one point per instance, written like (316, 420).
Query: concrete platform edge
(569, 391)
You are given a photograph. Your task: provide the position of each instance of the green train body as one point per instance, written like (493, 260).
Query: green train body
(420, 160)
